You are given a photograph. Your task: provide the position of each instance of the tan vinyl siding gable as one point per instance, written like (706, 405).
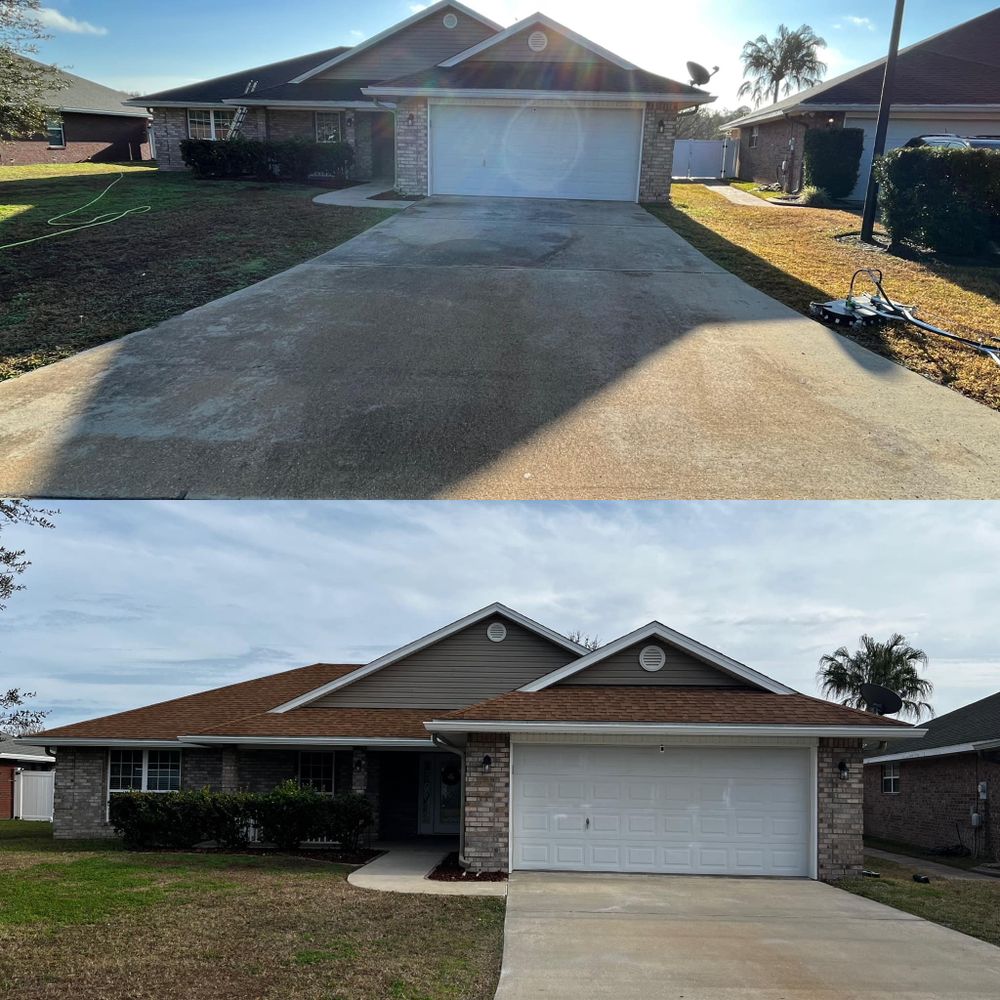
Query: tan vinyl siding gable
(680, 669)
(417, 47)
(456, 672)
(515, 49)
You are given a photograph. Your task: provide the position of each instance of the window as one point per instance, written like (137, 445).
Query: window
(890, 778)
(57, 134)
(205, 124)
(754, 136)
(329, 126)
(144, 771)
(316, 770)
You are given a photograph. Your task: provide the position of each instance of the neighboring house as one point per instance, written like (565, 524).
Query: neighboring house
(653, 753)
(15, 756)
(93, 123)
(927, 794)
(448, 102)
(947, 83)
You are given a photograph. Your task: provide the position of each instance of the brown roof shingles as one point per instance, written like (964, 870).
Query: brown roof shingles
(679, 705)
(360, 723)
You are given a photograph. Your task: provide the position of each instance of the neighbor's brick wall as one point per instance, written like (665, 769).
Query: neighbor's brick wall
(762, 163)
(840, 851)
(657, 153)
(411, 147)
(933, 804)
(170, 127)
(487, 802)
(7, 791)
(97, 138)
(81, 792)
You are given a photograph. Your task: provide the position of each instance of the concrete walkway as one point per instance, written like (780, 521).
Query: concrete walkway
(926, 867)
(636, 937)
(404, 868)
(738, 197)
(360, 196)
(485, 348)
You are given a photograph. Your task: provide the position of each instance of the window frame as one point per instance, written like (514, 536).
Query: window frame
(332, 754)
(144, 780)
(891, 775)
(56, 125)
(340, 130)
(212, 127)
(754, 138)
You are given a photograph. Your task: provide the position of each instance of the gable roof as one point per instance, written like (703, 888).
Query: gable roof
(660, 631)
(662, 709)
(420, 15)
(957, 67)
(79, 94)
(11, 749)
(169, 720)
(235, 84)
(529, 24)
(961, 731)
(428, 640)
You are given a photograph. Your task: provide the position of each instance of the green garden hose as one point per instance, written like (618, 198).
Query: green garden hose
(74, 225)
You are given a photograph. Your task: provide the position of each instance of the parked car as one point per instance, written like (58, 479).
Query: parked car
(950, 141)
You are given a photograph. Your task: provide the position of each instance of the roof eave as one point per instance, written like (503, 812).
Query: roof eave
(571, 95)
(668, 728)
(338, 741)
(973, 746)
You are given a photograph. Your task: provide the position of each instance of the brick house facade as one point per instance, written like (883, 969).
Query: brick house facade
(88, 137)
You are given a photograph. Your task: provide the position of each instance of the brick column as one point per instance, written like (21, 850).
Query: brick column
(230, 769)
(487, 802)
(657, 152)
(411, 147)
(840, 850)
(81, 793)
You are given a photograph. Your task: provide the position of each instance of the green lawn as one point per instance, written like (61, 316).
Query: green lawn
(751, 188)
(88, 920)
(201, 240)
(972, 907)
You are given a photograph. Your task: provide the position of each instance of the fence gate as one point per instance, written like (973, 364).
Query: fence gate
(33, 794)
(705, 158)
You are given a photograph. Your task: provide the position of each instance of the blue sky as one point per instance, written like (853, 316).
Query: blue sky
(138, 45)
(128, 603)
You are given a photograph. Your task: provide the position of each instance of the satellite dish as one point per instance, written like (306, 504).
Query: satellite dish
(699, 75)
(881, 700)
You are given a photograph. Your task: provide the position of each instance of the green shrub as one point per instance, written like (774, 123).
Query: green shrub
(153, 819)
(290, 814)
(944, 199)
(831, 158)
(227, 818)
(814, 197)
(287, 159)
(349, 817)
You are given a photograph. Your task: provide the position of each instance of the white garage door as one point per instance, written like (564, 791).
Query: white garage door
(535, 152)
(719, 811)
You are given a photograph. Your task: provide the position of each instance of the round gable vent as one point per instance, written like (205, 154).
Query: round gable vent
(496, 632)
(652, 658)
(538, 41)
(450, 21)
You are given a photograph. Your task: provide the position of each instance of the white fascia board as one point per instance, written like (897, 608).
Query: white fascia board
(670, 637)
(196, 105)
(44, 758)
(987, 744)
(66, 741)
(305, 105)
(666, 728)
(101, 111)
(428, 640)
(392, 29)
(534, 95)
(336, 741)
(917, 754)
(524, 25)
(898, 111)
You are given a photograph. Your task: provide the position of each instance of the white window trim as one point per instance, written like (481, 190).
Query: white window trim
(891, 773)
(343, 125)
(61, 126)
(212, 112)
(754, 138)
(145, 772)
(333, 770)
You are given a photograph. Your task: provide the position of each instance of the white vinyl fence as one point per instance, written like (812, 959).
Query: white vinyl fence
(33, 794)
(705, 158)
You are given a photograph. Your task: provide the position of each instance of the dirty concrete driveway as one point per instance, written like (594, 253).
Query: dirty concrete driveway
(636, 937)
(494, 348)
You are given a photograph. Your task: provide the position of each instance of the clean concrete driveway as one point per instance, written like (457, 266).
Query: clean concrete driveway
(494, 348)
(638, 937)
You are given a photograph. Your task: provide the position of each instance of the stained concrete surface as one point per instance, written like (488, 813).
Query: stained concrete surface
(636, 937)
(494, 348)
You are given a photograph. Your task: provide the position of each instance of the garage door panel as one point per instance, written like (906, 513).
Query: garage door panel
(695, 810)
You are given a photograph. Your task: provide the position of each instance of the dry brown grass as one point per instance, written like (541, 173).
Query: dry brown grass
(793, 255)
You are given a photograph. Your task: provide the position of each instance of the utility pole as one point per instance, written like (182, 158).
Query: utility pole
(881, 126)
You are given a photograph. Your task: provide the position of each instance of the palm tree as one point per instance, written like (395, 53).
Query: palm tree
(893, 664)
(789, 62)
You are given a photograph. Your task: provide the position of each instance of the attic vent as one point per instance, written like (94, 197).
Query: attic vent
(652, 658)
(450, 21)
(538, 41)
(496, 632)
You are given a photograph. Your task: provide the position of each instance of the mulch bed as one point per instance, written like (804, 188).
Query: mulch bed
(392, 196)
(313, 854)
(451, 871)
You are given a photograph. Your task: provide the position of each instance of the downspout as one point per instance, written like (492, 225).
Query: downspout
(392, 111)
(440, 741)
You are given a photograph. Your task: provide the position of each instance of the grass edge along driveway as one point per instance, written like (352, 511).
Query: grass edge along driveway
(200, 241)
(89, 920)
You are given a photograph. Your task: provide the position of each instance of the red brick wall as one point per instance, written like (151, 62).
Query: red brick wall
(6, 791)
(762, 163)
(100, 138)
(932, 807)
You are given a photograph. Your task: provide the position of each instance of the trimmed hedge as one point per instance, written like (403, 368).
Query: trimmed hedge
(831, 158)
(287, 816)
(944, 199)
(289, 159)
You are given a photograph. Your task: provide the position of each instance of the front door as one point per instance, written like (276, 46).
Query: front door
(440, 804)
(383, 146)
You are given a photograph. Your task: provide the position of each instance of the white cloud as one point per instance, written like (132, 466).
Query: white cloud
(416, 8)
(860, 22)
(56, 21)
(354, 33)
